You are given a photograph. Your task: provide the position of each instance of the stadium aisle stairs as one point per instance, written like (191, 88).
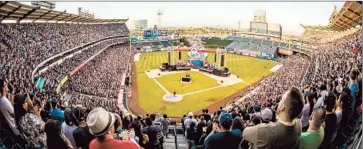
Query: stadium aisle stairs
(170, 142)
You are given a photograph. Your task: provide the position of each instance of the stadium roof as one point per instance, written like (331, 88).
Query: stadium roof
(10, 10)
(349, 16)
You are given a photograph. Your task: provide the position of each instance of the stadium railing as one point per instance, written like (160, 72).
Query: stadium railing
(175, 138)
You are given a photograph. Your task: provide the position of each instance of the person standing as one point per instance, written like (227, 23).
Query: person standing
(330, 121)
(100, 123)
(7, 109)
(68, 126)
(154, 133)
(81, 135)
(221, 135)
(313, 137)
(286, 131)
(56, 112)
(307, 110)
(165, 124)
(55, 136)
(31, 125)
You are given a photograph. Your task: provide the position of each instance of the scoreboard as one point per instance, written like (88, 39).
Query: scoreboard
(258, 27)
(155, 33)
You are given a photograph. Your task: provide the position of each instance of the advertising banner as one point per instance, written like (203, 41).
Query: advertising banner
(64, 80)
(40, 83)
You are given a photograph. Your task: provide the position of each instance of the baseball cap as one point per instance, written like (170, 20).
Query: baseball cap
(80, 113)
(256, 108)
(266, 114)
(225, 117)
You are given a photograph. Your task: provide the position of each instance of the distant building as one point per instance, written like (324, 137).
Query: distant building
(137, 25)
(259, 27)
(259, 16)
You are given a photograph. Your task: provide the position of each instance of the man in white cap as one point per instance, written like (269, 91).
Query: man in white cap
(189, 120)
(100, 123)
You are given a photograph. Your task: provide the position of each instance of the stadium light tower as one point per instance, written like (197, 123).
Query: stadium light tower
(160, 14)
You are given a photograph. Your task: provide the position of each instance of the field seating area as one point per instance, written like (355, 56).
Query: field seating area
(152, 44)
(259, 41)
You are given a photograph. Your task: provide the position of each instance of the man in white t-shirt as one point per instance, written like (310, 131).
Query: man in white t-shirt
(7, 109)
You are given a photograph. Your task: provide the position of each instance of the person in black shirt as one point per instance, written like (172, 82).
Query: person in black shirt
(206, 115)
(182, 121)
(154, 133)
(330, 121)
(191, 135)
(201, 127)
(221, 136)
(81, 135)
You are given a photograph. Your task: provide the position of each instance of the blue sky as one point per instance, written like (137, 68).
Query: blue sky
(224, 14)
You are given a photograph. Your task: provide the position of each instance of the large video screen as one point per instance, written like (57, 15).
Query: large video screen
(155, 33)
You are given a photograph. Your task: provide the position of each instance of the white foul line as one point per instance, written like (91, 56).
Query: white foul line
(202, 90)
(161, 86)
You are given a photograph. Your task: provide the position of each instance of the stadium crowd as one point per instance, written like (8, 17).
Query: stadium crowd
(26, 45)
(318, 112)
(54, 74)
(102, 77)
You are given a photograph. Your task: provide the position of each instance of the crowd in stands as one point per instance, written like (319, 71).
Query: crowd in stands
(102, 76)
(330, 86)
(54, 74)
(24, 46)
(310, 103)
(320, 36)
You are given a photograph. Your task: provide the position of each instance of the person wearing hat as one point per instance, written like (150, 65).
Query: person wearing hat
(313, 137)
(100, 123)
(266, 115)
(286, 131)
(7, 109)
(189, 119)
(81, 135)
(222, 136)
(31, 124)
(330, 121)
(55, 112)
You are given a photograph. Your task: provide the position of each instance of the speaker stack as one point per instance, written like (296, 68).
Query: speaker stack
(222, 60)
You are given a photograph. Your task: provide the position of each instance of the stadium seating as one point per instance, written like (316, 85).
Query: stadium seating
(96, 75)
(165, 43)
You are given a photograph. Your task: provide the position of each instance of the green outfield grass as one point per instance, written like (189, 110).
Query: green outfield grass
(214, 43)
(150, 94)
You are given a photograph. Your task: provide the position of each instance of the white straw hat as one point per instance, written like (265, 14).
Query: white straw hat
(99, 121)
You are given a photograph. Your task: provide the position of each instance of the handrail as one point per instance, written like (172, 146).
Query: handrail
(359, 144)
(64, 52)
(176, 139)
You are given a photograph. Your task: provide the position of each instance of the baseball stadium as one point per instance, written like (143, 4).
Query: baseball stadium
(71, 77)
